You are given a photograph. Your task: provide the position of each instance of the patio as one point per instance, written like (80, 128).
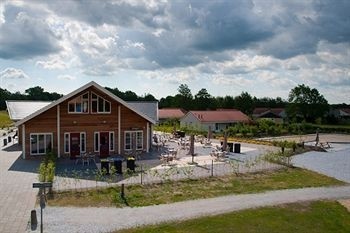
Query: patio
(153, 168)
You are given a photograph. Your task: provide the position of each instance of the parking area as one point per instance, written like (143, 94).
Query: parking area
(17, 197)
(335, 162)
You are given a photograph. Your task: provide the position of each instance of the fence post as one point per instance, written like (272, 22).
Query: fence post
(212, 168)
(141, 173)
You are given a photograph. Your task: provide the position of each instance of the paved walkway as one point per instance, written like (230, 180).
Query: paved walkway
(65, 219)
(17, 197)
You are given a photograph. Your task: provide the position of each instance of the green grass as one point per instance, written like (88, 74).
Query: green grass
(5, 120)
(310, 217)
(169, 192)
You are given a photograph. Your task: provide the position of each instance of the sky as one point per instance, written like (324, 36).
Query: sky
(264, 47)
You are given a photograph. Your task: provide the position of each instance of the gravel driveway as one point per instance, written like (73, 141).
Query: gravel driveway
(334, 163)
(69, 219)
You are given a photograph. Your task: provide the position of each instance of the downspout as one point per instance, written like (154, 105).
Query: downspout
(119, 129)
(23, 141)
(58, 132)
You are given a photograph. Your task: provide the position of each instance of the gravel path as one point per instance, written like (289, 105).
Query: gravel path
(65, 219)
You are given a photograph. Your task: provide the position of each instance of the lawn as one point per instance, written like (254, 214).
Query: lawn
(310, 217)
(144, 195)
(4, 120)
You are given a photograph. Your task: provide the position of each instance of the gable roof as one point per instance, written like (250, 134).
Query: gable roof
(77, 91)
(19, 109)
(221, 116)
(263, 111)
(171, 113)
(149, 108)
(346, 111)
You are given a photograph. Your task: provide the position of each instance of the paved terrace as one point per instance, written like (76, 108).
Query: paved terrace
(71, 176)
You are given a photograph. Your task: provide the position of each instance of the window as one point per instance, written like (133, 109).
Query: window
(111, 141)
(99, 104)
(40, 143)
(139, 140)
(79, 104)
(82, 142)
(128, 145)
(97, 142)
(132, 137)
(66, 142)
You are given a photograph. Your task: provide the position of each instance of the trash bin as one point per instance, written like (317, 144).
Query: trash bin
(130, 164)
(105, 166)
(237, 148)
(230, 144)
(5, 141)
(118, 166)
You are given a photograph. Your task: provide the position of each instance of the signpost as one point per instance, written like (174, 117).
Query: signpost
(42, 186)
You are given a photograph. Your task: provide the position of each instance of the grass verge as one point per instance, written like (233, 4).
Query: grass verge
(311, 217)
(4, 120)
(144, 195)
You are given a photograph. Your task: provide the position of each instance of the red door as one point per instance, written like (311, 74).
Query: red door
(74, 145)
(104, 144)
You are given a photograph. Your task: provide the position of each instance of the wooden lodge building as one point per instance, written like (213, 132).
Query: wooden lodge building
(89, 119)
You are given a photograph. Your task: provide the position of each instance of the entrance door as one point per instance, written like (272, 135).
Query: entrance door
(74, 145)
(104, 144)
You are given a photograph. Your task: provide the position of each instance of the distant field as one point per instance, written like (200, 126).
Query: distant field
(4, 120)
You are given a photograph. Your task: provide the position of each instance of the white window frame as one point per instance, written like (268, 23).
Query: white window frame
(137, 145)
(82, 103)
(132, 133)
(125, 133)
(98, 142)
(104, 104)
(37, 135)
(82, 148)
(111, 141)
(66, 136)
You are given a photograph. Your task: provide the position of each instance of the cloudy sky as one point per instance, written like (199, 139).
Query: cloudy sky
(264, 47)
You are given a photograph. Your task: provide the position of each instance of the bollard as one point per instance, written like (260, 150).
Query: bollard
(122, 195)
(33, 219)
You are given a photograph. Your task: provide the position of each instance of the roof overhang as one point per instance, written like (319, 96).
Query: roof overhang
(68, 96)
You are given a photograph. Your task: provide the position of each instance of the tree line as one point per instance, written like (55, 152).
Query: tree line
(303, 103)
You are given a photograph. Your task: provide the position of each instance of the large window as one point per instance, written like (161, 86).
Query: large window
(99, 104)
(66, 142)
(128, 142)
(133, 138)
(40, 143)
(83, 142)
(139, 140)
(79, 104)
(111, 141)
(97, 142)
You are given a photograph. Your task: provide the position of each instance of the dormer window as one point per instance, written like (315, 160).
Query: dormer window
(79, 104)
(99, 104)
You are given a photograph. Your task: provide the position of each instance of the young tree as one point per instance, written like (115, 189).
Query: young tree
(307, 102)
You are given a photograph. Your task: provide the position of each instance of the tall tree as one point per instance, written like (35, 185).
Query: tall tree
(245, 103)
(307, 102)
(184, 99)
(203, 100)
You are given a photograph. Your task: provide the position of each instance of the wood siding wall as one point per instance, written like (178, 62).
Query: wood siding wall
(85, 122)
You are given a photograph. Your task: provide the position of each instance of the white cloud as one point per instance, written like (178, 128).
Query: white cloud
(13, 73)
(66, 77)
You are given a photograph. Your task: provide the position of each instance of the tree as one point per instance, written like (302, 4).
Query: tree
(307, 102)
(202, 99)
(245, 103)
(35, 93)
(184, 98)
